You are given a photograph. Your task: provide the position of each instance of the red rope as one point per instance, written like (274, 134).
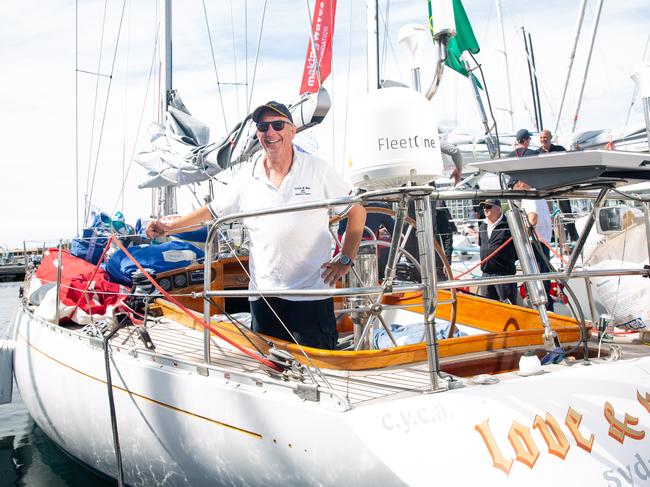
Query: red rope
(90, 281)
(194, 318)
(550, 248)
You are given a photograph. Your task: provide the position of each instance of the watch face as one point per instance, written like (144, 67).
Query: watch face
(345, 260)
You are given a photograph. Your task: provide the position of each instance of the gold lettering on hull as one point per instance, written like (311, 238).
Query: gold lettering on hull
(555, 439)
(619, 430)
(527, 452)
(523, 444)
(498, 460)
(572, 421)
(644, 400)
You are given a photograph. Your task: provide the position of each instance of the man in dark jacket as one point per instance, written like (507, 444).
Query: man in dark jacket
(493, 233)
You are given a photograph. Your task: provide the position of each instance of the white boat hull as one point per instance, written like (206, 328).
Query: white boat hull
(180, 427)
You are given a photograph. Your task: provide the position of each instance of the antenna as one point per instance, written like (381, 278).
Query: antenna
(412, 38)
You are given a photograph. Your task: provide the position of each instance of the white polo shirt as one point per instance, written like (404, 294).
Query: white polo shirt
(287, 249)
(544, 227)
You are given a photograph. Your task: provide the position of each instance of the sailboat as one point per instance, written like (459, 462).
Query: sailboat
(174, 395)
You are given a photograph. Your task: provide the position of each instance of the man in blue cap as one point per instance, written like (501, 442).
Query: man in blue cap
(523, 141)
(287, 250)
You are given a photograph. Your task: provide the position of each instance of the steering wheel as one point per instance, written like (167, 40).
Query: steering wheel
(410, 226)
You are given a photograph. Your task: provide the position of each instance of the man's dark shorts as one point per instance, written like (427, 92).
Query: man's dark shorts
(312, 323)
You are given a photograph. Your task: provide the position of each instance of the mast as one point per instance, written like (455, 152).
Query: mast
(540, 124)
(504, 51)
(373, 44)
(530, 76)
(169, 192)
(581, 16)
(584, 76)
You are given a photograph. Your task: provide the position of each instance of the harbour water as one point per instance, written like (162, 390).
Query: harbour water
(27, 456)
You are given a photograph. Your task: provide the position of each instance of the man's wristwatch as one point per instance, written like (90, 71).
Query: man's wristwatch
(345, 260)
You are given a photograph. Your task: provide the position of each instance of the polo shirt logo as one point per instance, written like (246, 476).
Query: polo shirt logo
(302, 190)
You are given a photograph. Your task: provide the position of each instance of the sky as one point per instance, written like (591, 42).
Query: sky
(67, 139)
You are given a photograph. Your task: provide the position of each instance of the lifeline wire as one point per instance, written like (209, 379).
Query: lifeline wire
(277, 317)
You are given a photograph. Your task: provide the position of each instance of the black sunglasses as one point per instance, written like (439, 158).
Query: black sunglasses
(487, 207)
(276, 124)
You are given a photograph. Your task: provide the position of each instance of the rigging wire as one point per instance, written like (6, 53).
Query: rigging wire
(257, 56)
(234, 57)
(489, 102)
(389, 43)
(238, 325)
(94, 113)
(286, 328)
(126, 101)
(347, 91)
(108, 93)
(214, 65)
(386, 18)
(334, 110)
(76, 112)
(142, 112)
(545, 94)
(246, 49)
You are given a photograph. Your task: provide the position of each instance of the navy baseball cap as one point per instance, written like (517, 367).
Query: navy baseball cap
(491, 203)
(523, 134)
(272, 106)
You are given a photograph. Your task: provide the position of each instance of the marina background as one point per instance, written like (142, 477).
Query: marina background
(37, 45)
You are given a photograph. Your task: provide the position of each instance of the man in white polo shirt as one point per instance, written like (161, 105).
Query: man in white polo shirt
(288, 250)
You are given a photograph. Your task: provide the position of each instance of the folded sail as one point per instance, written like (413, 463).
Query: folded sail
(180, 153)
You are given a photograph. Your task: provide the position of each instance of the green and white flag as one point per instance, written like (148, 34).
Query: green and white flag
(464, 40)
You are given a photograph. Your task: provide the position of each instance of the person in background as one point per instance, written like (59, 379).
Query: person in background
(492, 234)
(288, 250)
(523, 141)
(456, 157)
(539, 218)
(546, 146)
(443, 225)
